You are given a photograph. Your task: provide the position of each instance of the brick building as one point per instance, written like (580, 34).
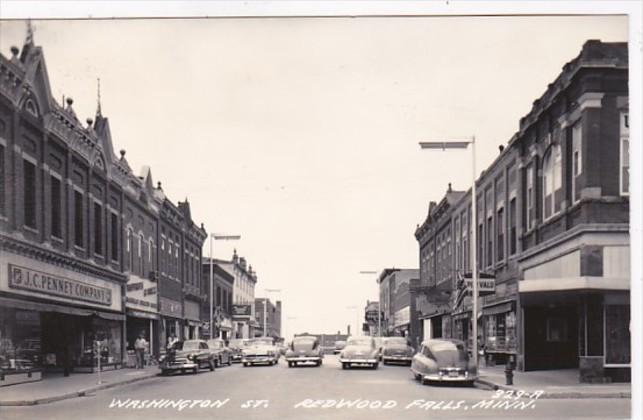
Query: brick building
(268, 317)
(553, 213)
(84, 241)
(223, 284)
(395, 300)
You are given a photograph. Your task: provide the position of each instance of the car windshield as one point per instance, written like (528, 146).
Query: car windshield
(261, 342)
(360, 341)
(237, 343)
(304, 342)
(340, 343)
(396, 341)
(447, 352)
(215, 344)
(186, 345)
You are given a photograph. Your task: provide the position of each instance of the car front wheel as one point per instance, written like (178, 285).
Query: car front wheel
(212, 366)
(344, 365)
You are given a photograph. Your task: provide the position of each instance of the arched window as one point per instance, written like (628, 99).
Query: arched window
(552, 182)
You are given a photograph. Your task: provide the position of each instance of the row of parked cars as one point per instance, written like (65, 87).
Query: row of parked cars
(437, 360)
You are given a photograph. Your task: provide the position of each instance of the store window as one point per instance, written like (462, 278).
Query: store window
(20, 348)
(617, 335)
(557, 329)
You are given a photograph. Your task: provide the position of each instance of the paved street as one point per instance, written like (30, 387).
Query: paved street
(288, 393)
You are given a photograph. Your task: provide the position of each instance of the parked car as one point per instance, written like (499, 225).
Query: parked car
(236, 346)
(379, 342)
(187, 355)
(443, 360)
(260, 350)
(359, 351)
(397, 350)
(222, 353)
(339, 346)
(304, 349)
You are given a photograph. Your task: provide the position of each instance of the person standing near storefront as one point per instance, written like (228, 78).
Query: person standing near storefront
(139, 346)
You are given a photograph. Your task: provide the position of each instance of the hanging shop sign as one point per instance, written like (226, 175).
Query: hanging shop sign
(240, 312)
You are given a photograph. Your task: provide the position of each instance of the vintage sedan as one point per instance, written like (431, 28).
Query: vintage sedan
(237, 345)
(260, 351)
(397, 350)
(443, 360)
(359, 351)
(339, 346)
(222, 353)
(304, 349)
(187, 355)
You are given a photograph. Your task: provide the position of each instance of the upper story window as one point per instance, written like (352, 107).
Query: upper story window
(577, 160)
(29, 191)
(56, 207)
(625, 153)
(78, 219)
(114, 236)
(98, 229)
(2, 180)
(552, 182)
(530, 196)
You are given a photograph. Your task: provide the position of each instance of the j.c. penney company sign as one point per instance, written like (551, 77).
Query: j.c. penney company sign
(36, 281)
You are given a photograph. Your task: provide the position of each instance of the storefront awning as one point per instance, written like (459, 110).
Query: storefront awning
(498, 309)
(51, 307)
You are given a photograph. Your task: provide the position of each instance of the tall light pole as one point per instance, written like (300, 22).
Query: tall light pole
(379, 305)
(356, 317)
(214, 236)
(463, 144)
(265, 305)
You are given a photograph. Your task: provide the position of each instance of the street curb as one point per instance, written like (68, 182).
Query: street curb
(79, 393)
(558, 395)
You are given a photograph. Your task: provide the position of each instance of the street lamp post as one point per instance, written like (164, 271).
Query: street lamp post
(214, 236)
(463, 144)
(379, 306)
(356, 317)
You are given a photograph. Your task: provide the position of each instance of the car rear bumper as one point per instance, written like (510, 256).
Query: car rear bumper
(401, 359)
(361, 361)
(303, 359)
(258, 359)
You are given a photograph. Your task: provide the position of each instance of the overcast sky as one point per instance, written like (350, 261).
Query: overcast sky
(301, 134)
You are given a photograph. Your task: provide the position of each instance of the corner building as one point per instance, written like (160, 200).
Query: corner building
(552, 228)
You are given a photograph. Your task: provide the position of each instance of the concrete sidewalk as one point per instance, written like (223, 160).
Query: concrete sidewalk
(57, 387)
(562, 383)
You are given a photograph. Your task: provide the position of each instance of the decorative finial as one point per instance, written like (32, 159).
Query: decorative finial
(122, 151)
(30, 32)
(14, 50)
(158, 185)
(98, 110)
(89, 122)
(449, 187)
(69, 101)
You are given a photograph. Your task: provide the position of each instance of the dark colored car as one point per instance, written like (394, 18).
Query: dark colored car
(222, 353)
(187, 355)
(359, 351)
(443, 361)
(304, 349)
(236, 346)
(397, 350)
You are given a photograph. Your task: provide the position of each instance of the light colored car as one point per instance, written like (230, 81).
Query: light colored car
(187, 355)
(222, 353)
(260, 351)
(236, 345)
(304, 349)
(443, 360)
(397, 350)
(359, 351)
(339, 346)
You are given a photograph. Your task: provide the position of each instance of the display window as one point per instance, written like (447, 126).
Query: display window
(20, 346)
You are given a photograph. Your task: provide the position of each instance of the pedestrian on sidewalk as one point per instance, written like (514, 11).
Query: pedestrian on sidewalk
(139, 346)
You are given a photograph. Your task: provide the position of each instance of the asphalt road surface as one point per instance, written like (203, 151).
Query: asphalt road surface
(326, 392)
